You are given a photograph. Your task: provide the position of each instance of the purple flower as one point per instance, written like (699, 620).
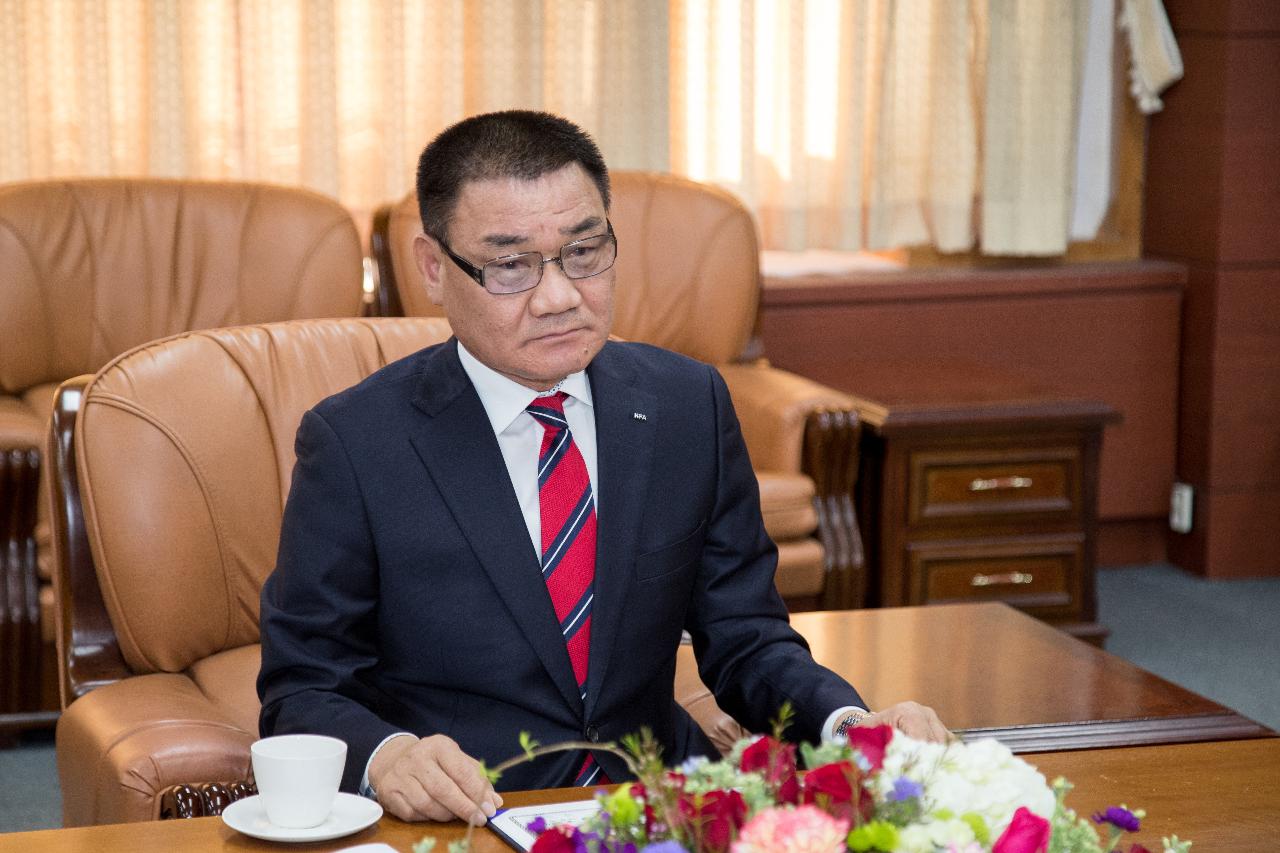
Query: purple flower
(1119, 817)
(537, 826)
(905, 789)
(665, 847)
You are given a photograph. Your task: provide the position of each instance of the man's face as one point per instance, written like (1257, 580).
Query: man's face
(539, 336)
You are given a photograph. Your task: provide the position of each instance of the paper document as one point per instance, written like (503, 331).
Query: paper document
(510, 824)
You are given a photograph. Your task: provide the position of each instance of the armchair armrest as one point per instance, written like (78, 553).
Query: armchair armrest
(794, 424)
(123, 746)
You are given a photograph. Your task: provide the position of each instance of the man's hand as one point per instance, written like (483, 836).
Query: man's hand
(912, 719)
(432, 779)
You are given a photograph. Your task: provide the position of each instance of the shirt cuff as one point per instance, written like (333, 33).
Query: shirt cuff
(366, 790)
(833, 721)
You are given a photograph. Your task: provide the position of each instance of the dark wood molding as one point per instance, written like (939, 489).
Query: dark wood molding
(20, 640)
(203, 799)
(387, 294)
(88, 649)
(1098, 734)
(830, 457)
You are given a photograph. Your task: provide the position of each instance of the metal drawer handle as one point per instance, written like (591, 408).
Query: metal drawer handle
(1000, 483)
(1006, 578)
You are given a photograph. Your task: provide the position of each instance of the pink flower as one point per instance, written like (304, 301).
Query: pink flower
(1026, 833)
(804, 829)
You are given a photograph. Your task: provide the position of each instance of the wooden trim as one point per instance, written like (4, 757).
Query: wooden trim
(830, 457)
(1057, 737)
(917, 285)
(202, 799)
(88, 650)
(20, 642)
(387, 293)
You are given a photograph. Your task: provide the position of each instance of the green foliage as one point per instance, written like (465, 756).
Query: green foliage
(1071, 834)
(827, 753)
(462, 845)
(528, 745)
(426, 845)
(1173, 845)
(783, 721)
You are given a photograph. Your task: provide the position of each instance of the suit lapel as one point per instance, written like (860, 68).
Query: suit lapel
(456, 445)
(626, 417)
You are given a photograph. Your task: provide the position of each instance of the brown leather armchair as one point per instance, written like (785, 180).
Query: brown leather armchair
(171, 467)
(689, 280)
(91, 268)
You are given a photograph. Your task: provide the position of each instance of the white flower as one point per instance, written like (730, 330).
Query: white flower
(982, 777)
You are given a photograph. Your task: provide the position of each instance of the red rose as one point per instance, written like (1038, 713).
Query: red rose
(831, 788)
(871, 741)
(1026, 833)
(778, 761)
(712, 819)
(557, 839)
(1138, 848)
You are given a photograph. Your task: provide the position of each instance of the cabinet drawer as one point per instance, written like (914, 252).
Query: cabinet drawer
(960, 485)
(1037, 574)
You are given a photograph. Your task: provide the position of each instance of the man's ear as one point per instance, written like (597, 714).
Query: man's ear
(428, 254)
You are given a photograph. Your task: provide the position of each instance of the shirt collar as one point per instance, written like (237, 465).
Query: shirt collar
(505, 399)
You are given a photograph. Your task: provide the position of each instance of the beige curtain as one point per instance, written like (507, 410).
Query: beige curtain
(336, 95)
(883, 123)
(845, 124)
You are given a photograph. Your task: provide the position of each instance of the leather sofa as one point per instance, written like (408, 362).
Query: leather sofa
(688, 279)
(91, 268)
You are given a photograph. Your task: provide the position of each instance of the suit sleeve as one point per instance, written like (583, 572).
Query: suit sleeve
(319, 607)
(748, 654)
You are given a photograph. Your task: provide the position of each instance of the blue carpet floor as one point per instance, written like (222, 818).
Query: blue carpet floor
(1218, 638)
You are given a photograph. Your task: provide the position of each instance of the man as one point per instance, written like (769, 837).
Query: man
(509, 532)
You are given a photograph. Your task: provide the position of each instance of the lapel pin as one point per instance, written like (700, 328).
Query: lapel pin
(639, 416)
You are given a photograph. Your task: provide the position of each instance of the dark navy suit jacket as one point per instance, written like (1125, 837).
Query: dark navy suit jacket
(407, 595)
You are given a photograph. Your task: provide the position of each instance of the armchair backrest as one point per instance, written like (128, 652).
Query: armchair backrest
(688, 265)
(182, 454)
(93, 267)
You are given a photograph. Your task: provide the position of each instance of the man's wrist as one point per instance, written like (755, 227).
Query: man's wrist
(366, 784)
(840, 721)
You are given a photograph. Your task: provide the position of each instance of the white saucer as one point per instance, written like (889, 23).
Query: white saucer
(350, 814)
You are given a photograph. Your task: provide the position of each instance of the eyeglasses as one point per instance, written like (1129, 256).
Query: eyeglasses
(517, 273)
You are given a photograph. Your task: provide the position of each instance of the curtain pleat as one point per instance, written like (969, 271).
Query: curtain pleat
(844, 124)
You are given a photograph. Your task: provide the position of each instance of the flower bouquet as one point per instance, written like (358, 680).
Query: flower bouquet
(882, 792)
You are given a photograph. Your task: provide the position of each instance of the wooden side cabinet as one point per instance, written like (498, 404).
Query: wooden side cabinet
(981, 494)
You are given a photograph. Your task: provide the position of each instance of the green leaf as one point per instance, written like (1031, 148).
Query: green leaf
(426, 845)
(528, 744)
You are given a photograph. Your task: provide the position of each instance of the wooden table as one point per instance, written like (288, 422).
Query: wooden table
(988, 669)
(1223, 796)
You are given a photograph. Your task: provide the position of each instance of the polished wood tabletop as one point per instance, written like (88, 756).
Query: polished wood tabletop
(990, 670)
(1222, 796)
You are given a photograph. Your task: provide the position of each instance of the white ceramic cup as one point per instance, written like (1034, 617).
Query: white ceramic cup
(298, 777)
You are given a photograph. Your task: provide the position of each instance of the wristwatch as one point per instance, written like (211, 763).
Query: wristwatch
(850, 720)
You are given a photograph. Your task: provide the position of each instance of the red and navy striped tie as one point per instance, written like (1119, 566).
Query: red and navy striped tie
(568, 511)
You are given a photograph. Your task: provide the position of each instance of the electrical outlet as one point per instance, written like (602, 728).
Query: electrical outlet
(1180, 508)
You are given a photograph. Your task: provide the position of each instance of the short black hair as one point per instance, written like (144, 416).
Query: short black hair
(510, 144)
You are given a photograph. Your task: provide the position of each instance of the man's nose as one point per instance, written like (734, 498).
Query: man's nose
(556, 293)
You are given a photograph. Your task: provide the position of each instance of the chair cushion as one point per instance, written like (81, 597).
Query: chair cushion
(801, 568)
(786, 501)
